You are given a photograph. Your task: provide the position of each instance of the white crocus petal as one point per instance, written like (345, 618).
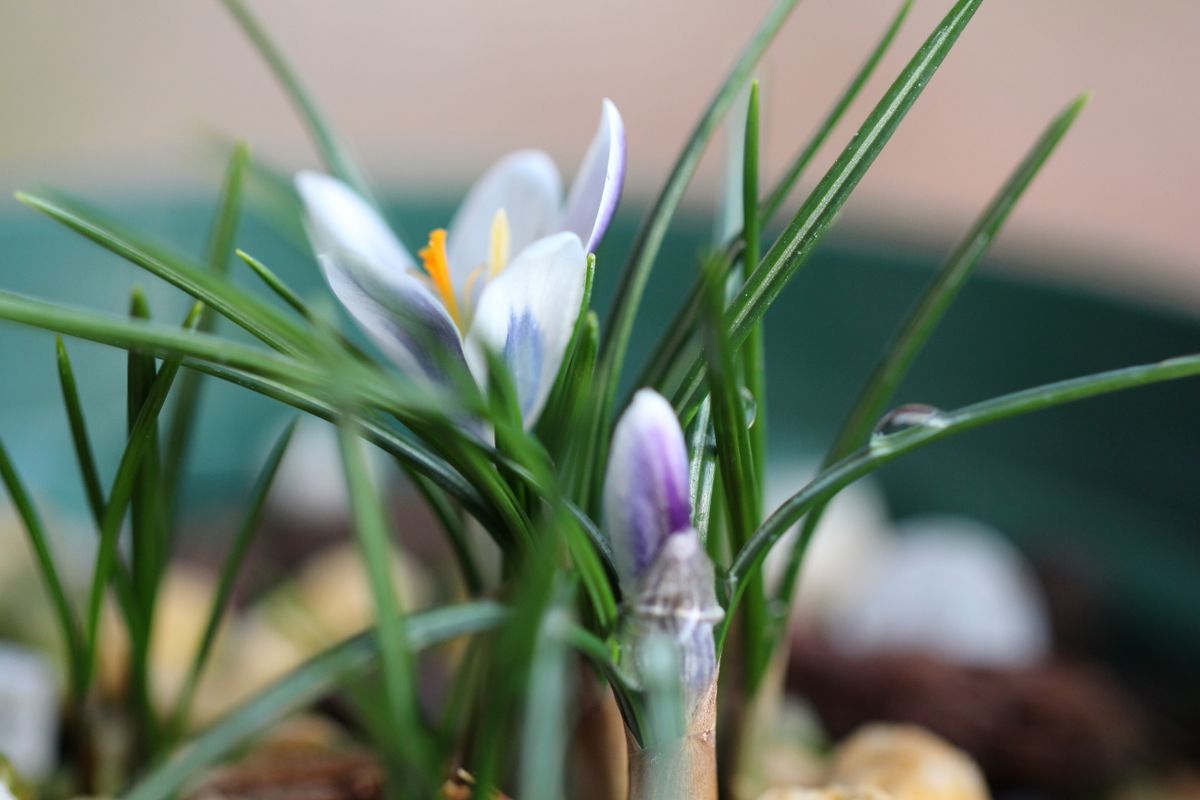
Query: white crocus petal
(526, 184)
(372, 275)
(646, 497)
(342, 223)
(527, 315)
(596, 189)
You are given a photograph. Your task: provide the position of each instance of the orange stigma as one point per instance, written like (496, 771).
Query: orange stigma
(437, 266)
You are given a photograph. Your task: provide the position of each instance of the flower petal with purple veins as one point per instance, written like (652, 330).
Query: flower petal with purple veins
(372, 275)
(597, 187)
(524, 355)
(646, 495)
(527, 314)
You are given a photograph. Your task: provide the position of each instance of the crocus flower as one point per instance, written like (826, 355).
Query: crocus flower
(665, 574)
(507, 275)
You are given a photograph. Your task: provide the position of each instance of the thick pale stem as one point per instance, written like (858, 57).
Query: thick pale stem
(686, 768)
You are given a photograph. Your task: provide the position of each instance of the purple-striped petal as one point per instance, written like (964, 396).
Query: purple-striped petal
(527, 314)
(596, 189)
(372, 275)
(646, 495)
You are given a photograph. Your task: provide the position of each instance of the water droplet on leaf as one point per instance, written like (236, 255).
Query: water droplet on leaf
(749, 406)
(910, 415)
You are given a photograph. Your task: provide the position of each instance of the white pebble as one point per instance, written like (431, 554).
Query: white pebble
(29, 708)
(955, 588)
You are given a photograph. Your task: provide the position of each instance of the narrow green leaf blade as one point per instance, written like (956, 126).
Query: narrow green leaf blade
(365, 383)
(145, 514)
(220, 249)
(48, 566)
(408, 741)
(783, 187)
(753, 362)
(259, 319)
(645, 250)
(822, 207)
(230, 570)
(923, 319)
(945, 424)
(301, 687)
(544, 736)
(335, 154)
(737, 473)
(683, 326)
(141, 439)
(84, 456)
(702, 467)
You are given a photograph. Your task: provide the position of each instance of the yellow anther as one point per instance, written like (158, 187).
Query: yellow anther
(438, 268)
(498, 252)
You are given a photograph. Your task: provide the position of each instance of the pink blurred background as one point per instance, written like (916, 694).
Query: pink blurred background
(117, 97)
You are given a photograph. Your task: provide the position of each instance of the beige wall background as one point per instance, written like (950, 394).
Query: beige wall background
(116, 96)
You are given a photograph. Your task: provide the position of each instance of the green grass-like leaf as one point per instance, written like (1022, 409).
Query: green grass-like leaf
(84, 457)
(544, 733)
(754, 364)
(299, 688)
(702, 467)
(147, 528)
(509, 658)
(681, 329)
(649, 241)
(368, 385)
(276, 284)
(48, 566)
(336, 156)
(923, 319)
(792, 249)
(775, 200)
(248, 312)
(141, 439)
(86, 462)
(146, 522)
(221, 245)
(949, 423)
(408, 740)
(231, 568)
(737, 473)
(289, 296)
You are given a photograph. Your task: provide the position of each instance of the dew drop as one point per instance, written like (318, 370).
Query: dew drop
(910, 415)
(749, 407)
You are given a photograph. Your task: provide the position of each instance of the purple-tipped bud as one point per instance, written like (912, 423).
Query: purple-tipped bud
(665, 574)
(646, 488)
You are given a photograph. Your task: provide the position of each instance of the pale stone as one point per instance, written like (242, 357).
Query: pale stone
(851, 542)
(329, 600)
(825, 793)
(311, 483)
(112, 662)
(27, 614)
(334, 589)
(29, 710)
(12, 786)
(182, 606)
(954, 588)
(784, 752)
(909, 763)
(254, 654)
